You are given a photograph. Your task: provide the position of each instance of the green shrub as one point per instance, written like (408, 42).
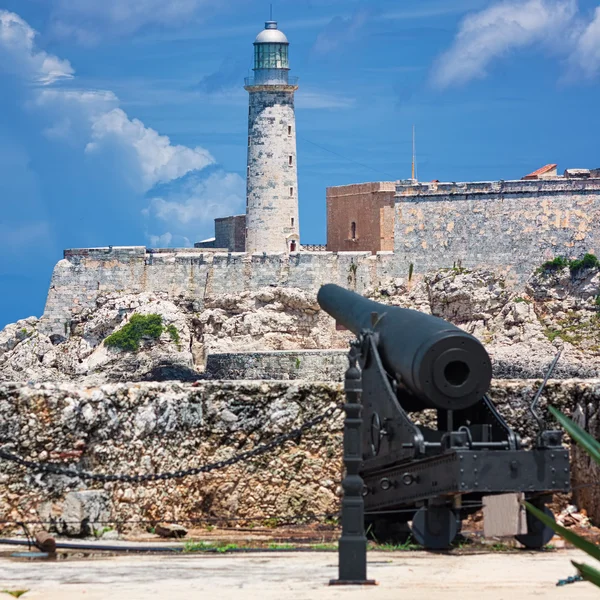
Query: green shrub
(172, 330)
(557, 263)
(592, 447)
(589, 261)
(139, 326)
(410, 271)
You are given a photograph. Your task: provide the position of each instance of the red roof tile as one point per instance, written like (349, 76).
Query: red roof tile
(541, 171)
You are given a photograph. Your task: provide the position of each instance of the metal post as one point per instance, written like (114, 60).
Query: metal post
(353, 541)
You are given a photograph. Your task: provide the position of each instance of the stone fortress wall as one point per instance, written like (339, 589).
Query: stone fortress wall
(512, 226)
(195, 275)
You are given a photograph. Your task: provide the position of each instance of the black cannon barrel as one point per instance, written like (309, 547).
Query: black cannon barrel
(439, 363)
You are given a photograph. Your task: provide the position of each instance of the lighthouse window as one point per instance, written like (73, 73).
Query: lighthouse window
(353, 230)
(292, 221)
(289, 130)
(271, 56)
(290, 160)
(291, 192)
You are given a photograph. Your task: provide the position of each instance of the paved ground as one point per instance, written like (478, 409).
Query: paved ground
(301, 576)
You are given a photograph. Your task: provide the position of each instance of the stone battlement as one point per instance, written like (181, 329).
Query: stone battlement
(560, 185)
(195, 275)
(361, 188)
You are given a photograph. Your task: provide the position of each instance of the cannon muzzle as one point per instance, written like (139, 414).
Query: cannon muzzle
(439, 364)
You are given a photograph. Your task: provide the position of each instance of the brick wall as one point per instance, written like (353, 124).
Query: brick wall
(371, 207)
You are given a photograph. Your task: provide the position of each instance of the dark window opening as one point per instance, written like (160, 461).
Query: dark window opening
(289, 130)
(291, 192)
(292, 246)
(290, 160)
(292, 221)
(353, 230)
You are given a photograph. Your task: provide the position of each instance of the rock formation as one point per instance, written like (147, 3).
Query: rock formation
(522, 330)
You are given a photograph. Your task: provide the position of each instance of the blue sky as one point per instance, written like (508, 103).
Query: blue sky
(123, 122)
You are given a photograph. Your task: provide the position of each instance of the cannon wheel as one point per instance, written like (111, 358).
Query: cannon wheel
(435, 527)
(538, 535)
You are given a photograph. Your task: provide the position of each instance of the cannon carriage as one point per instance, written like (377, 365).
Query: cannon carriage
(432, 475)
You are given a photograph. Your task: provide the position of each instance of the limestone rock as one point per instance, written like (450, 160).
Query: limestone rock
(84, 513)
(522, 330)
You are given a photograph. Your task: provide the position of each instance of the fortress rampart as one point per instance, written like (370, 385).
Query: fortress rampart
(510, 226)
(196, 275)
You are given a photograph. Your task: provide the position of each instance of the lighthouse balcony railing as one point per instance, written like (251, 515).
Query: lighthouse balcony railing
(271, 80)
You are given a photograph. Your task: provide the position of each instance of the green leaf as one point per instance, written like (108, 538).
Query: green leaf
(583, 438)
(588, 573)
(577, 541)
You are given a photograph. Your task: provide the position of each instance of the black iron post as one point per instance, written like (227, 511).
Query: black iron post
(353, 541)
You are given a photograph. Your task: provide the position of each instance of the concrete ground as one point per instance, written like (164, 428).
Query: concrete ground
(272, 576)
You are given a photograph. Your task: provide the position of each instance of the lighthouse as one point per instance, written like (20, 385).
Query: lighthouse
(272, 178)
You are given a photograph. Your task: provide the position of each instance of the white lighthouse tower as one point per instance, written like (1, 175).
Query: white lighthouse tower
(272, 182)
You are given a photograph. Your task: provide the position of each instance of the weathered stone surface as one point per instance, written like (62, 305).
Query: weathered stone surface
(307, 365)
(509, 226)
(522, 329)
(83, 513)
(162, 427)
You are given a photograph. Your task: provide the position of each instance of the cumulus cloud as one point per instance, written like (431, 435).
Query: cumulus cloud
(499, 30)
(586, 54)
(159, 160)
(200, 201)
(19, 56)
(135, 154)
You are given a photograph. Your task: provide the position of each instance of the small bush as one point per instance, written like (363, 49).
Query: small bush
(172, 330)
(410, 271)
(557, 263)
(139, 326)
(589, 261)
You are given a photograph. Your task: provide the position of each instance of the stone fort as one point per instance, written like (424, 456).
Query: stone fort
(375, 231)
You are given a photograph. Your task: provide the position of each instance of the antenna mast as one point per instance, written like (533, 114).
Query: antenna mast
(413, 155)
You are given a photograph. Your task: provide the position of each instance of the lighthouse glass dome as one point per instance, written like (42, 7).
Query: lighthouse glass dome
(271, 57)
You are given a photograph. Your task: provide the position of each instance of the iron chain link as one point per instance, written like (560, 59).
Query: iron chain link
(55, 469)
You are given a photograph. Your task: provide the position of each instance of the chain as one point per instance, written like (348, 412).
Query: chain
(55, 469)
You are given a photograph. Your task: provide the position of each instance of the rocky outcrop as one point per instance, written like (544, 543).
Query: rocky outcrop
(522, 330)
(163, 427)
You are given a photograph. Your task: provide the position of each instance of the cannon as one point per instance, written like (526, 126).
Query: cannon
(433, 444)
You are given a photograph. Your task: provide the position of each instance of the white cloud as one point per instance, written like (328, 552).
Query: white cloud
(94, 121)
(586, 54)
(19, 56)
(88, 20)
(93, 118)
(500, 29)
(200, 202)
(159, 161)
(161, 241)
